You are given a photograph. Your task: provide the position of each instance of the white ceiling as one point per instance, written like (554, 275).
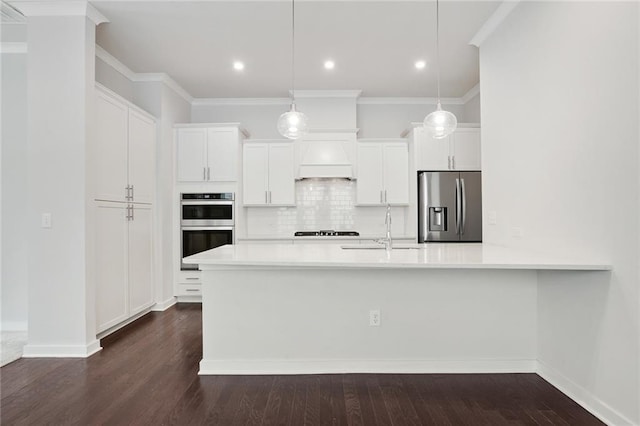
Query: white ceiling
(374, 44)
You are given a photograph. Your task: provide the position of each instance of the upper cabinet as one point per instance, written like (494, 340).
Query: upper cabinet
(268, 175)
(123, 151)
(208, 153)
(458, 151)
(382, 172)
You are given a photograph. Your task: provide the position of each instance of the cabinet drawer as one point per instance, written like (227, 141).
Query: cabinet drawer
(189, 277)
(189, 290)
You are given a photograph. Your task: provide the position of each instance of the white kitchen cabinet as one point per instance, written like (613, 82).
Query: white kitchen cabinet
(123, 262)
(268, 174)
(382, 173)
(140, 253)
(458, 151)
(123, 151)
(207, 154)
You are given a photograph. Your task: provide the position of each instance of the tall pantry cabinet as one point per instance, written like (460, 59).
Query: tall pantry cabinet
(122, 167)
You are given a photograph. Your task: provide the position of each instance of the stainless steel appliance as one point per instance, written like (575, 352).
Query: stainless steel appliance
(206, 221)
(449, 207)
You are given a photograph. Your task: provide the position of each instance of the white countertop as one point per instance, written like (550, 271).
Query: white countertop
(427, 256)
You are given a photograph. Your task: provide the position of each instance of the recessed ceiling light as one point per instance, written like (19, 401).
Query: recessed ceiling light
(420, 65)
(329, 65)
(238, 66)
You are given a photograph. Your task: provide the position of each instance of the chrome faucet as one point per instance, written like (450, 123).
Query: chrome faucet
(387, 239)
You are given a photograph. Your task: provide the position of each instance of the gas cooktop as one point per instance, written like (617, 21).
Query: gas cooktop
(326, 233)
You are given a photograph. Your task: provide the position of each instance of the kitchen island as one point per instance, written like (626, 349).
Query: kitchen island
(302, 309)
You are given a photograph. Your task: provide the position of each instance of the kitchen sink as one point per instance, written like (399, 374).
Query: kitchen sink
(380, 246)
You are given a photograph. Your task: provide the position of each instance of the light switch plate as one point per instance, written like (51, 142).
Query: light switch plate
(492, 217)
(45, 220)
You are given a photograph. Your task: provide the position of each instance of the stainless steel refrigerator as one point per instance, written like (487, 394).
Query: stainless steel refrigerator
(449, 207)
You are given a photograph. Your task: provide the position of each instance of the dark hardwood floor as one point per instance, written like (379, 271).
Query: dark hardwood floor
(147, 374)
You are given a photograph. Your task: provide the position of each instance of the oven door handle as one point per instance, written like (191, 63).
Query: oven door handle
(207, 228)
(207, 203)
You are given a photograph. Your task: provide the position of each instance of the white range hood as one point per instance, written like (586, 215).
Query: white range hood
(329, 154)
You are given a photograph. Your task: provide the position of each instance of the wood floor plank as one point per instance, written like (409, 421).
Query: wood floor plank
(147, 373)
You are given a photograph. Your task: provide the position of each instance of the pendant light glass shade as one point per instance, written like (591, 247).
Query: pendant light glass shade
(293, 124)
(440, 123)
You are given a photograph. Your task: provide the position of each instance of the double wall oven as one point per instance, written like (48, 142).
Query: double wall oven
(206, 222)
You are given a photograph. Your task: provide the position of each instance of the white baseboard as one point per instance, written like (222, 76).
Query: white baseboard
(583, 397)
(341, 366)
(163, 306)
(61, 351)
(14, 326)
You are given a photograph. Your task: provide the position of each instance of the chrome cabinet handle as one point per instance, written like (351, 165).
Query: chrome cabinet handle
(385, 196)
(453, 162)
(381, 198)
(132, 213)
(204, 173)
(269, 197)
(193, 290)
(266, 197)
(192, 278)
(458, 206)
(464, 207)
(208, 173)
(131, 196)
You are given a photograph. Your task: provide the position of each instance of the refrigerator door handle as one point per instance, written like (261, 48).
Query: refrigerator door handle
(458, 206)
(463, 197)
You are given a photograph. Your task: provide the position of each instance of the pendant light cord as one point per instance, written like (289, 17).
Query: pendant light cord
(293, 50)
(438, 44)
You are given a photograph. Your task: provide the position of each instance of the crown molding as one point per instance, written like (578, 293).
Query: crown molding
(301, 94)
(11, 15)
(240, 101)
(409, 101)
(13, 47)
(112, 61)
(60, 8)
(167, 81)
(472, 93)
(494, 21)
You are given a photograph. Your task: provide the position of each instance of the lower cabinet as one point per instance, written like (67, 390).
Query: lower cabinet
(123, 262)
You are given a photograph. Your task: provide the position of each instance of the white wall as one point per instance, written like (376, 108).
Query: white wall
(174, 110)
(373, 120)
(110, 78)
(14, 287)
(560, 161)
(60, 79)
(390, 120)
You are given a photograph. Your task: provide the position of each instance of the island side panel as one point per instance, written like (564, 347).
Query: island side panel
(268, 320)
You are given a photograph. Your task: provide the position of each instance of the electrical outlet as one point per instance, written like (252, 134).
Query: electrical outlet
(45, 220)
(374, 317)
(517, 232)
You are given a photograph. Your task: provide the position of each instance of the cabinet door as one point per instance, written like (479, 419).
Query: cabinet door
(109, 149)
(222, 155)
(396, 173)
(255, 172)
(191, 152)
(369, 187)
(433, 154)
(142, 157)
(140, 260)
(112, 296)
(466, 149)
(281, 174)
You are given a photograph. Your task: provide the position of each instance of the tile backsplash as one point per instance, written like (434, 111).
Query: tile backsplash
(321, 204)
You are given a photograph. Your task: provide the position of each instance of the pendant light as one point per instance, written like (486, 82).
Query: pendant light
(293, 124)
(439, 123)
